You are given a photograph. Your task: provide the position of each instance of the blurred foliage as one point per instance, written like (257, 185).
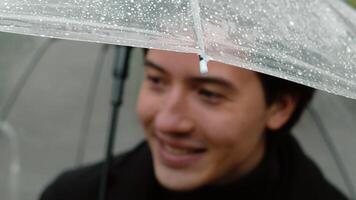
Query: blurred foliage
(352, 3)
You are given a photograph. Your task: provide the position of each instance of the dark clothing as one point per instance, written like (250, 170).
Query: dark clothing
(285, 173)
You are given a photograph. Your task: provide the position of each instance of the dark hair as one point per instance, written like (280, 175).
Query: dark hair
(276, 88)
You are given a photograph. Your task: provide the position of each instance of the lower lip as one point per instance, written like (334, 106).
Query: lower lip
(178, 161)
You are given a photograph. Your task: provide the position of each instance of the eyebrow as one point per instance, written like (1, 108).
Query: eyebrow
(150, 64)
(214, 81)
(199, 79)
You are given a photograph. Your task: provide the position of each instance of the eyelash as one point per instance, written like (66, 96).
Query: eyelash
(154, 79)
(209, 96)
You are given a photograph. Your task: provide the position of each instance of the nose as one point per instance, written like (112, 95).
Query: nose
(173, 118)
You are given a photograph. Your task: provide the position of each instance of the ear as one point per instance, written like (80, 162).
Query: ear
(280, 112)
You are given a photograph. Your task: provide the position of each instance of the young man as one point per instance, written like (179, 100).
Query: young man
(223, 135)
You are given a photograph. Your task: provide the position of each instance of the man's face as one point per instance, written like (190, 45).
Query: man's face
(201, 129)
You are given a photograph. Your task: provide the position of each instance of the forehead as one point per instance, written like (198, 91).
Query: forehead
(187, 64)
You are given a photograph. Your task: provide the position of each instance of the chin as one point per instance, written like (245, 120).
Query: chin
(176, 181)
(179, 179)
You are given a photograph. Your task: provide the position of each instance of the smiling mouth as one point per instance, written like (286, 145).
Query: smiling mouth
(181, 151)
(175, 156)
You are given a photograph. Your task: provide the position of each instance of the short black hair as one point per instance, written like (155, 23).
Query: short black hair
(275, 89)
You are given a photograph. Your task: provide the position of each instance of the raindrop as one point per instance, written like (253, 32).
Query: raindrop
(348, 50)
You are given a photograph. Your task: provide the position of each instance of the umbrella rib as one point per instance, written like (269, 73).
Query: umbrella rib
(352, 25)
(120, 73)
(57, 19)
(93, 88)
(15, 160)
(198, 27)
(334, 152)
(11, 100)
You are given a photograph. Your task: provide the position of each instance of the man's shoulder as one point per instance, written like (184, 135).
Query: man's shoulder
(307, 181)
(83, 182)
(310, 181)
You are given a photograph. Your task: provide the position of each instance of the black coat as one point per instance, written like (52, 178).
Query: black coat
(285, 173)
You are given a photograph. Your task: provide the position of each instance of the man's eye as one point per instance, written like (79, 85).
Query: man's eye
(209, 95)
(156, 80)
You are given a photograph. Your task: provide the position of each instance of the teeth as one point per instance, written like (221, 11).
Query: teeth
(176, 151)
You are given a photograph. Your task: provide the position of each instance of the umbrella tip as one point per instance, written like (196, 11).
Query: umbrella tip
(203, 62)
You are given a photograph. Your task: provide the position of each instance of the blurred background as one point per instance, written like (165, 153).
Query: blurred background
(47, 130)
(352, 3)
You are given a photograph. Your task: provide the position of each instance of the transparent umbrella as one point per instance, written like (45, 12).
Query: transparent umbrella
(47, 117)
(309, 42)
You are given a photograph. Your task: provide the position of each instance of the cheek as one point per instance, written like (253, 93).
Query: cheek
(232, 138)
(147, 106)
(233, 126)
(224, 132)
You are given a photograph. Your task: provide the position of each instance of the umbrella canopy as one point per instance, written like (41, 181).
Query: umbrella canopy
(312, 42)
(46, 118)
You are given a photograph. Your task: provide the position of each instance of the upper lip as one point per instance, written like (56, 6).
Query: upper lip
(190, 145)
